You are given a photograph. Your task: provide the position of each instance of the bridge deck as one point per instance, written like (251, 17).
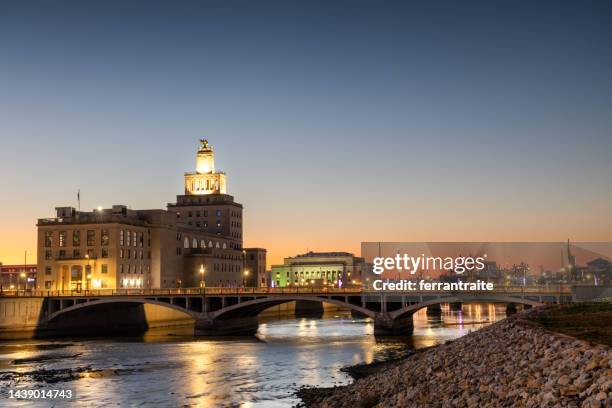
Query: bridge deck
(237, 291)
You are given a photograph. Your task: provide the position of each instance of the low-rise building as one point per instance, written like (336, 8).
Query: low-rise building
(255, 267)
(13, 277)
(319, 269)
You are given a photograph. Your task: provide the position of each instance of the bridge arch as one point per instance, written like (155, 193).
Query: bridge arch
(99, 302)
(411, 309)
(252, 308)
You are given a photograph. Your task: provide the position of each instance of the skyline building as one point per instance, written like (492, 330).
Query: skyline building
(196, 241)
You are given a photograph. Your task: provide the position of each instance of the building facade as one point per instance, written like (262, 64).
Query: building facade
(197, 241)
(18, 277)
(255, 267)
(319, 269)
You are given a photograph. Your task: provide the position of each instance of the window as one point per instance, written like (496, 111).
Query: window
(91, 237)
(218, 213)
(140, 254)
(76, 238)
(129, 238)
(62, 253)
(62, 239)
(48, 270)
(134, 236)
(129, 253)
(76, 253)
(197, 213)
(186, 242)
(194, 243)
(105, 238)
(48, 284)
(104, 268)
(141, 239)
(218, 223)
(189, 214)
(48, 254)
(121, 237)
(48, 239)
(104, 253)
(91, 253)
(205, 224)
(206, 213)
(121, 268)
(120, 252)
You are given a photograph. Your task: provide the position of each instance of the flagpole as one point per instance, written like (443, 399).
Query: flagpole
(79, 199)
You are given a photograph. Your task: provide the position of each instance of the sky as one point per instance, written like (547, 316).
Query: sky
(336, 122)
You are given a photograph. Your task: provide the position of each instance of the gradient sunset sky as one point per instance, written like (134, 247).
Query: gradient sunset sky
(337, 122)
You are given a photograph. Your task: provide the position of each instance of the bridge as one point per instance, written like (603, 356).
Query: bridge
(233, 311)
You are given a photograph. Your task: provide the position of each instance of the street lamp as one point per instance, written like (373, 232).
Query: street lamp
(246, 274)
(23, 275)
(202, 275)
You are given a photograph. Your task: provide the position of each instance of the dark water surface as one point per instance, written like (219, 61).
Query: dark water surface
(171, 367)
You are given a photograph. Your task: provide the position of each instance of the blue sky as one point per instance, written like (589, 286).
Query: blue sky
(337, 122)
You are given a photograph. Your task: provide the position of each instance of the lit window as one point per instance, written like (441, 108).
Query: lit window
(91, 237)
(105, 237)
(48, 239)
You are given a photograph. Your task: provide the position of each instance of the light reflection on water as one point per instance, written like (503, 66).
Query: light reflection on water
(173, 368)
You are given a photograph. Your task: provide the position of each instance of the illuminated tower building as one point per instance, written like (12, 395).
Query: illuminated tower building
(205, 180)
(206, 206)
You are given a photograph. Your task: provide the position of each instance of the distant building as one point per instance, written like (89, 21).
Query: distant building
(599, 271)
(255, 267)
(196, 241)
(18, 276)
(319, 269)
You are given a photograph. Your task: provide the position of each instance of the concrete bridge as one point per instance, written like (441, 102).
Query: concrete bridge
(233, 311)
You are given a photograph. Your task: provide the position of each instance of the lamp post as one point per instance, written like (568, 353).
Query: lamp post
(246, 274)
(23, 275)
(201, 275)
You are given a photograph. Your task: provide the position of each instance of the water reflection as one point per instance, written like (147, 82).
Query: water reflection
(173, 368)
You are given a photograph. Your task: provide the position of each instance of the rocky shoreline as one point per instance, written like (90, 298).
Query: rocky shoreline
(512, 363)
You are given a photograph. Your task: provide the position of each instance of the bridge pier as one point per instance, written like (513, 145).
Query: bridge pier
(308, 308)
(386, 326)
(236, 326)
(434, 310)
(510, 309)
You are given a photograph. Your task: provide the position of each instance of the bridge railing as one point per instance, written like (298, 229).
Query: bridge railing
(178, 291)
(245, 291)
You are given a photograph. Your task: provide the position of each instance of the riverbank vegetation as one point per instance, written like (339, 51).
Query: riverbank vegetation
(585, 321)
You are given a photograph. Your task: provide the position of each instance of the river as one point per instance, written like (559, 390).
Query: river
(171, 367)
